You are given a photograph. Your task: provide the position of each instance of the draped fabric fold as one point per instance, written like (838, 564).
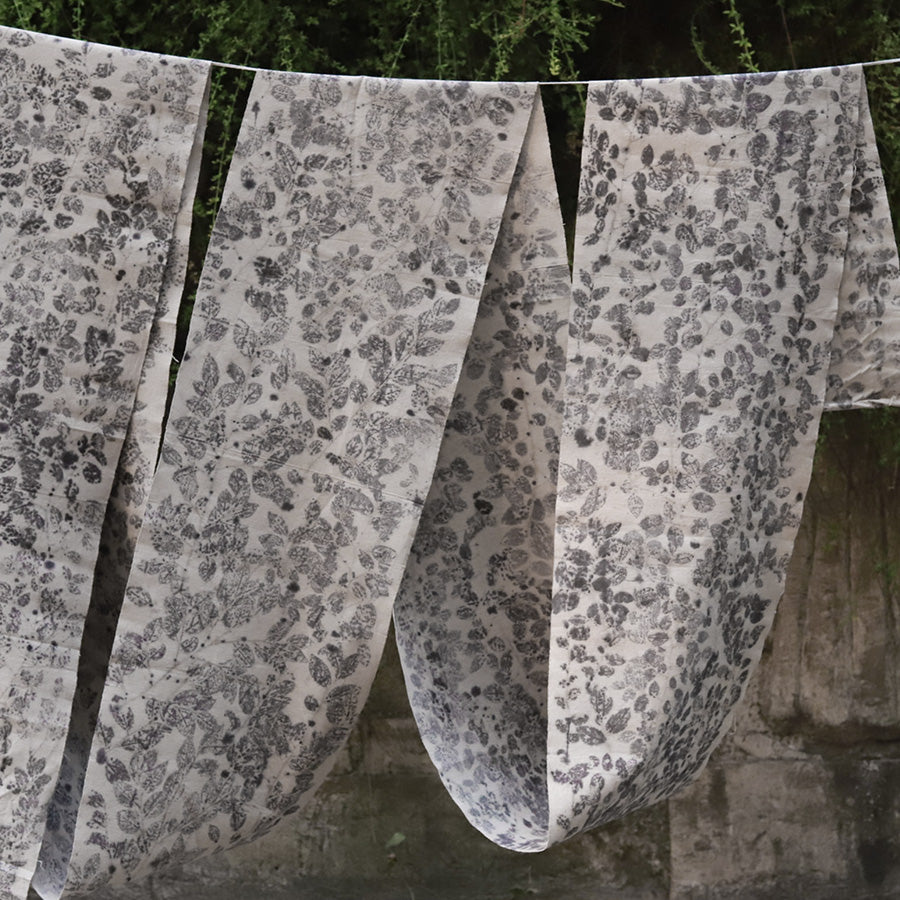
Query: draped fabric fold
(95, 144)
(576, 493)
(334, 309)
(720, 220)
(863, 370)
(473, 616)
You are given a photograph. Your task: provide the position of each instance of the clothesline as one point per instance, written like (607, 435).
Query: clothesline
(225, 65)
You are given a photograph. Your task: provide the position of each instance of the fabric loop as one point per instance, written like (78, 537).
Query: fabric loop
(334, 309)
(720, 219)
(577, 493)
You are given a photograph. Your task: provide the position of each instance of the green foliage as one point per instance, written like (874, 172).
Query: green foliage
(699, 46)
(514, 39)
(739, 37)
(541, 38)
(395, 840)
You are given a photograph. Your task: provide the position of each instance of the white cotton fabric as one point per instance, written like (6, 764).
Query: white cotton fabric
(118, 538)
(574, 657)
(576, 493)
(863, 371)
(95, 147)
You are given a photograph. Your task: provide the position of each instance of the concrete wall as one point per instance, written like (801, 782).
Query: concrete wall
(802, 799)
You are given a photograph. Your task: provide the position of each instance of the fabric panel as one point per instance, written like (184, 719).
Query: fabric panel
(710, 247)
(94, 142)
(473, 616)
(865, 353)
(335, 306)
(118, 538)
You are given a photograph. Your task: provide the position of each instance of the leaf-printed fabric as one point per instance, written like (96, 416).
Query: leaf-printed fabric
(606, 536)
(334, 310)
(118, 537)
(94, 149)
(585, 488)
(473, 617)
(864, 371)
(712, 247)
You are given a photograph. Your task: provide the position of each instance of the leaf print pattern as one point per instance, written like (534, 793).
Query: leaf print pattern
(867, 330)
(336, 302)
(607, 504)
(94, 147)
(118, 538)
(473, 615)
(711, 246)
(560, 685)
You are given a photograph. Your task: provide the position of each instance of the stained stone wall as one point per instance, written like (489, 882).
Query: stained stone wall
(801, 800)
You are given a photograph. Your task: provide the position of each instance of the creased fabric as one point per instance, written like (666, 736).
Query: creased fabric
(94, 150)
(333, 314)
(473, 617)
(574, 655)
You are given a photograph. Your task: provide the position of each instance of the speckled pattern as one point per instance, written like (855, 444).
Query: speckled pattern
(473, 616)
(337, 299)
(94, 150)
(596, 569)
(606, 469)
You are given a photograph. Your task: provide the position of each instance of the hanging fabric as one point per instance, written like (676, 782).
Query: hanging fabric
(726, 227)
(121, 524)
(95, 147)
(607, 504)
(334, 310)
(473, 618)
(863, 371)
